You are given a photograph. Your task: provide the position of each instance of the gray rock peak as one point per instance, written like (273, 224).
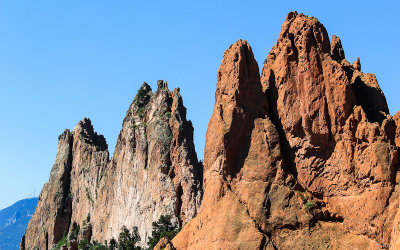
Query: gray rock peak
(85, 130)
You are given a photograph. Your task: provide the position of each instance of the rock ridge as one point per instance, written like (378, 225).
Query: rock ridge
(154, 171)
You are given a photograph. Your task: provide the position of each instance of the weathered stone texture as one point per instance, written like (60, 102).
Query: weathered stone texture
(303, 156)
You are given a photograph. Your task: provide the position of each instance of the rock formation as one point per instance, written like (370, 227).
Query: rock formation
(154, 169)
(81, 158)
(154, 172)
(302, 157)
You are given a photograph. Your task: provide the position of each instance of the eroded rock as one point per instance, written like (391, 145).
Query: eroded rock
(317, 157)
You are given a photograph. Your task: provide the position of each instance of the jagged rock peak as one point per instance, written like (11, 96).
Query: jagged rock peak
(53, 211)
(156, 165)
(396, 118)
(320, 104)
(312, 165)
(84, 130)
(301, 31)
(161, 85)
(337, 51)
(146, 87)
(357, 64)
(238, 100)
(70, 193)
(240, 105)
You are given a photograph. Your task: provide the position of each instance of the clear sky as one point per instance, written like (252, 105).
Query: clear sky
(61, 61)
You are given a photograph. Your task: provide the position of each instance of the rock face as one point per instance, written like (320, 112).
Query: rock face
(302, 157)
(154, 172)
(81, 157)
(164, 244)
(154, 169)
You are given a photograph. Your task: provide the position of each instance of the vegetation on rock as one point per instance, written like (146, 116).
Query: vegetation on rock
(162, 228)
(127, 240)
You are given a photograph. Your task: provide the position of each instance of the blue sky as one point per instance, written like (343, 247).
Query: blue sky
(61, 61)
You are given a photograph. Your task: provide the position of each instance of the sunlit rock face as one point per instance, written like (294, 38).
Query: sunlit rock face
(154, 172)
(303, 156)
(71, 191)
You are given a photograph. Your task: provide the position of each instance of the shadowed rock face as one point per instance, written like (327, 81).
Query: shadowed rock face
(303, 156)
(154, 172)
(69, 194)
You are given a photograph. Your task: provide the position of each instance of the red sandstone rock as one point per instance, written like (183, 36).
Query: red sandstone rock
(335, 127)
(396, 118)
(164, 244)
(357, 64)
(223, 220)
(309, 161)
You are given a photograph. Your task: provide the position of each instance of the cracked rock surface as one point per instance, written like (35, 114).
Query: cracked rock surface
(154, 171)
(303, 156)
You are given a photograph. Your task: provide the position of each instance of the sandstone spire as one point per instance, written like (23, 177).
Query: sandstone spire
(317, 162)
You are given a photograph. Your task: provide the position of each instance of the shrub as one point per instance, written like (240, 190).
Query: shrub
(170, 138)
(304, 197)
(84, 244)
(310, 205)
(113, 244)
(140, 112)
(162, 228)
(62, 242)
(127, 241)
(97, 246)
(74, 234)
(141, 98)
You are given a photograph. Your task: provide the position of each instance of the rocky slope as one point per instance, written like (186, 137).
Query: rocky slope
(154, 172)
(303, 156)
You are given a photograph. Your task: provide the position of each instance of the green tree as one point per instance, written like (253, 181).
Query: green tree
(84, 244)
(113, 244)
(98, 246)
(74, 234)
(162, 228)
(127, 241)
